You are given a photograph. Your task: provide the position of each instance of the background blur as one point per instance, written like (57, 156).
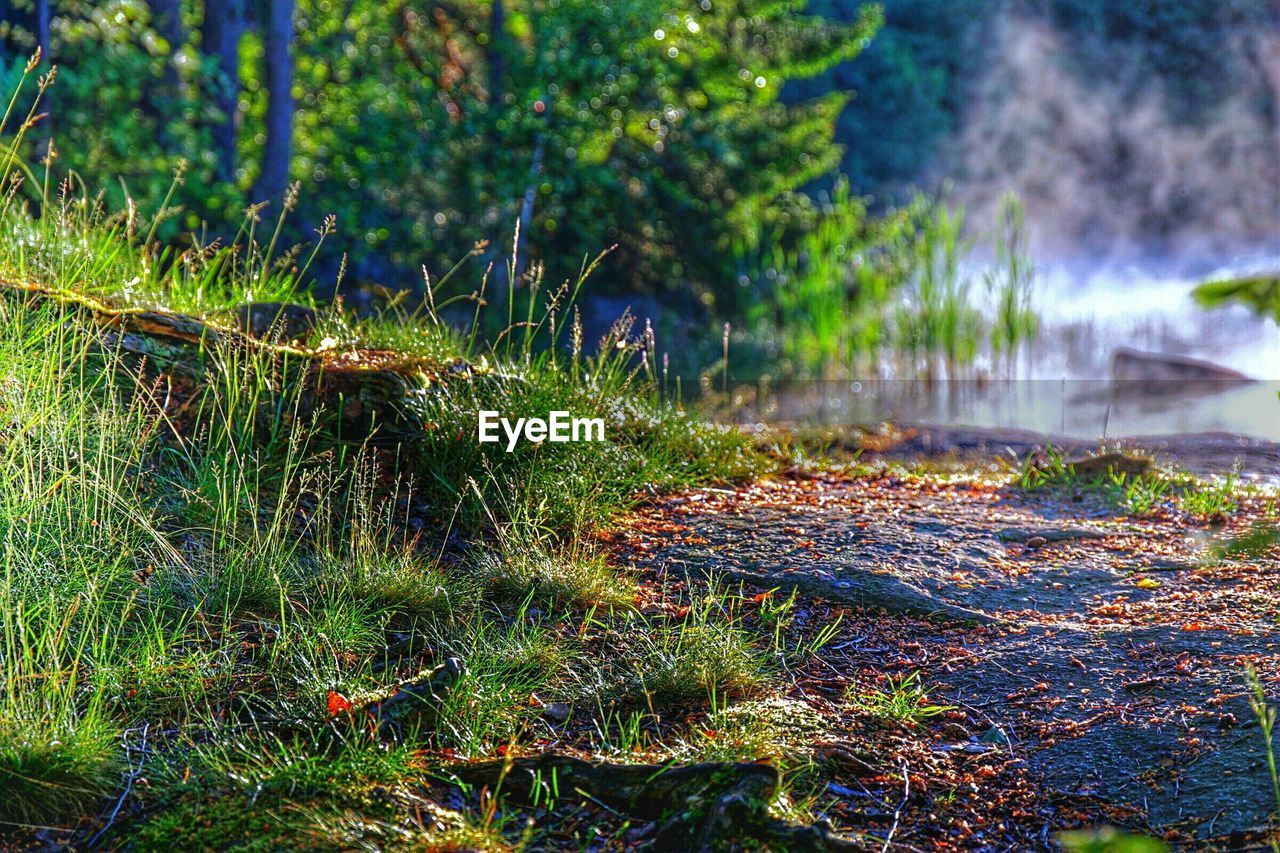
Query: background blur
(917, 188)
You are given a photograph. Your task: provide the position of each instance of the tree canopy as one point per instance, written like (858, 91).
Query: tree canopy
(428, 127)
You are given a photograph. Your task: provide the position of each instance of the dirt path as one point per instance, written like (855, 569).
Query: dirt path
(1106, 652)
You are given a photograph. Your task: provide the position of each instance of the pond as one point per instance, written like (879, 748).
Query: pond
(1072, 383)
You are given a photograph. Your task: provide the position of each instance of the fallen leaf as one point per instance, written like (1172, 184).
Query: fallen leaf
(338, 703)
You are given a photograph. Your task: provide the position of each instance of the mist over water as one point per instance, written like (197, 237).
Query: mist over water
(1086, 314)
(1117, 166)
(1131, 202)
(1065, 385)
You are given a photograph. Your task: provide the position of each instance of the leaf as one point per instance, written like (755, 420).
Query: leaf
(339, 704)
(1148, 583)
(1260, 293)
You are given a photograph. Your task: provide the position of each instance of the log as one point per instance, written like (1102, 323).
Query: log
(362, 396)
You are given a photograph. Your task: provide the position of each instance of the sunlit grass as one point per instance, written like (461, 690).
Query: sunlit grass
(203, 555)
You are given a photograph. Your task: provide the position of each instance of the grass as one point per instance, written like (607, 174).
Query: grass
(689, 660)
(1136, 493)
(201, 555)
(891, 296)
(903, 700)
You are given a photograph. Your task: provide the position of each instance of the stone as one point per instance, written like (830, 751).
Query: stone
(1153, 373)
(556, 712)
(1109, 463)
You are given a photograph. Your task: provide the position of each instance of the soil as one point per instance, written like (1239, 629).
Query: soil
(1094, 662)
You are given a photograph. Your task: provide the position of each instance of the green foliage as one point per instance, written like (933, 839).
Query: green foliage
(903, 700)
(203, 555)
(1265, 714)
(828, 296)
(1261, 294)
(1137, 493)
(907, 87)
(894, 295)
(703, 654)
(658, 130)
(505, 664)
(937, 323)
(112, 63)
(1108, 840)
(1010, 285)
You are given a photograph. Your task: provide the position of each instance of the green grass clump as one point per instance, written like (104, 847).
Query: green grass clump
(573, 578)
(902, 700)
(506, 665)
(275, 795)
(772, 728)
(56, 763)
(1136, 493)
(693, 658)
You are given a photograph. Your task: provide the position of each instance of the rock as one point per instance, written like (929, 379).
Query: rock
(1045, 535)
(863, 589)
(1109, 463)
(556, 712)
(1150, 373)
(278, 321)
(994, 735)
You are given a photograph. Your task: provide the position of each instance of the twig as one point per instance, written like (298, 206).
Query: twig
(897, 813)
(134, 773)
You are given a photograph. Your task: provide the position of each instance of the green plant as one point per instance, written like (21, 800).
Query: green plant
(506, 664)
(1212, 500)
(1010, 284)
(1137, 493)
(1141, 494)
(1266, 717)
(903, 700)
(701, 654)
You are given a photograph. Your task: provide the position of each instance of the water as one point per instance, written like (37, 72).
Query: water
(1066, 387)
(1086, 316)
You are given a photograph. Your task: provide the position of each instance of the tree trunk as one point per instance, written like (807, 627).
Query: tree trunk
(43, 17)
(374, 401)
(164, 101)
(496, 53)
(526, 207)
(220, 39)
(166, 16)
(279, 124)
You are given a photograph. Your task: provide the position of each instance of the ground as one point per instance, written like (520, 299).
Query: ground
(1091, 662)
(273, 595)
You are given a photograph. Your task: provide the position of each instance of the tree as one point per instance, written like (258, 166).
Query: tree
(224, 24)
(278, 51)
(425, 128)
(596, 123)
